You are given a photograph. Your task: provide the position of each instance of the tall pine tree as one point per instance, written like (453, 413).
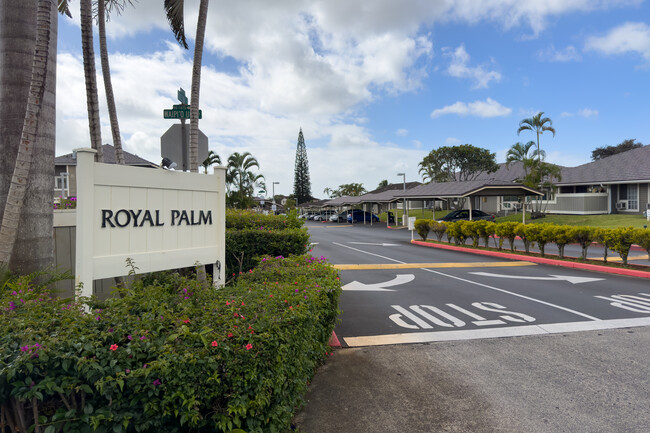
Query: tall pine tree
(301, 182)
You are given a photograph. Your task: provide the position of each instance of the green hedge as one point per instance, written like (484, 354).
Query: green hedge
(619, 240)
(168, 356)
(245, 247)
(250, 235)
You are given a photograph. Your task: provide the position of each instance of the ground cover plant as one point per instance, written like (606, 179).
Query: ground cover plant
(166, 355)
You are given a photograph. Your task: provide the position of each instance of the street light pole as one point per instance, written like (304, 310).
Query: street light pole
(405, 209)
(274, 183)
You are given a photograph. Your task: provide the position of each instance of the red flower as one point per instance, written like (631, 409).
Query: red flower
(215, 344)
(186, 321)
(229, 334)
(249, 346)
(114, 347)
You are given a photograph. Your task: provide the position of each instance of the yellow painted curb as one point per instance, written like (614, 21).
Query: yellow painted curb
(431, 265)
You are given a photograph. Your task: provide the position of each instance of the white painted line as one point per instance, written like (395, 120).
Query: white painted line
(512, 331)
(586, 316)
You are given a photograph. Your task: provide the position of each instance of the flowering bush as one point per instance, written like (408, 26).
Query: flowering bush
(167, 355)
(66, 203)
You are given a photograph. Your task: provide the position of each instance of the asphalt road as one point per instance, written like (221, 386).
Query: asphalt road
(450, 374)
(396, 292)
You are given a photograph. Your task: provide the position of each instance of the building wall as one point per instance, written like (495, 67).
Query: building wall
(579, 204)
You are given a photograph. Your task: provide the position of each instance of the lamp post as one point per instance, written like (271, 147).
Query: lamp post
(274, 183)
(405, 209)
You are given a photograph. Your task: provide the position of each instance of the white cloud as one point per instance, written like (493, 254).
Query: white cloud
(452, 140)
(531, 13)
(588, 112)
(402, 132)
(460, 68)
(551, 54)
(585, 112)
(626, 38)
(487, 108)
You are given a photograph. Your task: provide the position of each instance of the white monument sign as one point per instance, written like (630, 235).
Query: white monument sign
(160, 219)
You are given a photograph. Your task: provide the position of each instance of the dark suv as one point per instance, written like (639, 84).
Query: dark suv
(463, 214)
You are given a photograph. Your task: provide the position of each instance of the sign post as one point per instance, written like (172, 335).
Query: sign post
(169, 141)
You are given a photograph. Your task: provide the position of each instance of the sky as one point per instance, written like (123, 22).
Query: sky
(374, 85)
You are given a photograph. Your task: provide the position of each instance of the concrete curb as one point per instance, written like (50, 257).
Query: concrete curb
(586, 266)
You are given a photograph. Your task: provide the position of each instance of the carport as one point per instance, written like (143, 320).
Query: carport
(470, 190)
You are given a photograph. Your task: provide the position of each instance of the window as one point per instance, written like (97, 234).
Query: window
(629, 192)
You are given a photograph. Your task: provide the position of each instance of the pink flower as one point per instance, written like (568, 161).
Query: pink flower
(157, 382)
(229, 334)
(129, 337)
(215, 344)
(114, 347)
(127, 371)
(249, 346)
(186, 321)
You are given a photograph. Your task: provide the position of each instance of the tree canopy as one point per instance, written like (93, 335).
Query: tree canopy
(605, 151)
(457, 163)
(301, 181)
(347, 189)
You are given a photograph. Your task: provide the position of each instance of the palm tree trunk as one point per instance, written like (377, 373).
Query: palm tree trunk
(108, 85)
(28, 32)
(196, 86)
(92, 100)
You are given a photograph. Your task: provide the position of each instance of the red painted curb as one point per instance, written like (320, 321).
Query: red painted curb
(587, 266)
(334, 341)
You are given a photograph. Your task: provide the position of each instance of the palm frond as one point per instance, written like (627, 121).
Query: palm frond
(174, 13)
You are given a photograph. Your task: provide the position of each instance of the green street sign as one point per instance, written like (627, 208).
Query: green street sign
(181, 96)
(179, 113)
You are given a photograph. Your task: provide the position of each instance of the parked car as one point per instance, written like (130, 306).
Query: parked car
(339, 217)
(324, 215)
(463, 214)
(357, 215)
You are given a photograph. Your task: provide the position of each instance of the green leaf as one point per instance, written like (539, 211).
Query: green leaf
(50, 429)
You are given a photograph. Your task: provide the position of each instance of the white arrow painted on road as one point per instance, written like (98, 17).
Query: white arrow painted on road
(379, 287)
(570, 279)
(370, 243)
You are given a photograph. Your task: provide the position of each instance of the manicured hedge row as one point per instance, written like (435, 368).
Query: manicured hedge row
(619, 239)
(167, 356)
(250, 235)
(245, 247)
(242, 219)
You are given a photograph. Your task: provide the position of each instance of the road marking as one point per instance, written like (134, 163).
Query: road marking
(539, 301)
(511, 331)
(638, 304)
(345, 267)
(569, 278)
(380, 287)
(375, 244)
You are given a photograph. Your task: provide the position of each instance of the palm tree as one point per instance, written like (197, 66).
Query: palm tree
(520, 152)
(240, 179)
(211, 160)
(28, 32)
(538, 124)
(174, 11)
(106, 70)
(92, 100)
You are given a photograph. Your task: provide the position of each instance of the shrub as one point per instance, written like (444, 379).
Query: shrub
(169, 356)
(522, 231)
(250, 235)
(422, 227)
(455, 232)
(470, 230)
(245, 247)
(485, 229)
(584, 236)
(563, 235)
(507, 230)
(439, 229)
(620, 240)
(642, 239)
(602, 235)
(544, 236)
